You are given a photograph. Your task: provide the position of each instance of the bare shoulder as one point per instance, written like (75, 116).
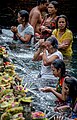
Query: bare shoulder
(35, 11)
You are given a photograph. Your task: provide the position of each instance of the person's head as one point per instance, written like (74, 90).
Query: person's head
(43, 4)
(58, 68)
(53, 7)
(51, 44)
(62, 22)
(71, 85)
(23, 16)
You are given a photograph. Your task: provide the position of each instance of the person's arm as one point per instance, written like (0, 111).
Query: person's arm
(47, 61)
(64, 95)
(25, 39)
(67, 40)
(65, 44)
(34, 19)
(53, 90)
(37, 55)
(44, 28)
(62, 108)
(14, 30)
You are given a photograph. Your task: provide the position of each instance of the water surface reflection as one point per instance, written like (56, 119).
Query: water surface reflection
(21, 56)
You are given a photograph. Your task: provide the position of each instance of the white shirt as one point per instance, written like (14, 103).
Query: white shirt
(46, 71)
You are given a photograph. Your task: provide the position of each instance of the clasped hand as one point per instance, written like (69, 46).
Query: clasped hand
(14, 29)
(42, 44)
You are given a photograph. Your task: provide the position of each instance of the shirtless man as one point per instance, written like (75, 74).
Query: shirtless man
(35, 17)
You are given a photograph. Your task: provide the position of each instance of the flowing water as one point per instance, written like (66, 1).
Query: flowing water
(21, 56)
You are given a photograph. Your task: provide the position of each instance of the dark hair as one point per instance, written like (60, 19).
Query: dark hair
(53, 41)
(62, 16)
(55, 3)
(72, 85)
(59, 64)
(24, 13)
(41, 2)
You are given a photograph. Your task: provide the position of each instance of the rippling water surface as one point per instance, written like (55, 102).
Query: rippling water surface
(21, 56)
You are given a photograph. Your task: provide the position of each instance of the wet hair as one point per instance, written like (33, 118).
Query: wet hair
(55, 3)
(53, 41)
(24, 13)
(66, 20)
(59, 64)
(72, 85)
(41, 2)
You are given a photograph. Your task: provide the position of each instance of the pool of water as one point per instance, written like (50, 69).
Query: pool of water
(21, 56)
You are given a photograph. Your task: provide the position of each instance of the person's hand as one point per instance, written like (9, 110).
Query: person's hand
(43, 28)
(14, 29)
(41, 41)
(58, 117)
(42, 44)
(56, 109)
(64, 45)
(45, 89)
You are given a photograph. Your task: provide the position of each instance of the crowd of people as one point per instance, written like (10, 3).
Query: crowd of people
(34, 25)
(55, 43)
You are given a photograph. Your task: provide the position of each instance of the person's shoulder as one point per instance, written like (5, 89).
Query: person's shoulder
(19, 26)
(30, 26)
(68, 30)
(35, 10)
(56, 17)
(32, 9)
(60, 54)
(54, 31)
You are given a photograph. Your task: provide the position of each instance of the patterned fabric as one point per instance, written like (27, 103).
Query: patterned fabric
(59, 86)
(47, 33)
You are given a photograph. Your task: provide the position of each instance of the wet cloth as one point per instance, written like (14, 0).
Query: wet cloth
(51, 26)
(46, 71)
(67, 35)
(59, 85)
(28, 30)
(58, 101)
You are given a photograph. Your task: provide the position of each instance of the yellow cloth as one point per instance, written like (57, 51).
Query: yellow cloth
(67, 35)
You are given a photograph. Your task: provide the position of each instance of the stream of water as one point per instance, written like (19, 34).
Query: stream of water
(21, 56)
